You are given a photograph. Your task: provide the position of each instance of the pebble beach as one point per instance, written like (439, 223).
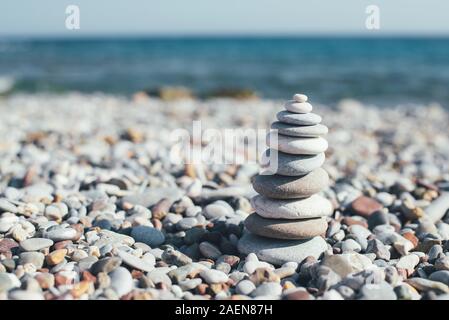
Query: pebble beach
(93, 207)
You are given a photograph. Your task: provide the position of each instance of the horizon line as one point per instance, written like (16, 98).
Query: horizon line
(95, 36)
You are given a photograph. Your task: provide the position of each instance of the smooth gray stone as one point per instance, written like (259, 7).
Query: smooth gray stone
(268, 289)
(213, 276)
(153, 195)
(218, 209)
(422, 284)
(381, 291)
(346, 263)
(135, 262)
(314, 206)
(438, 208)
(302, 119)
(287, 229)
(284, 187)
(35, 244)
(6, 206)
(245, 287)
(292, 165)
(440, 276)
(105, 265)
(317, 130)
(298, 107)
(25, 295)
(296, 146)
(121, 281)
(279, 252)
(61, 234)
(149, 235)
(36, 258)
(8, 281)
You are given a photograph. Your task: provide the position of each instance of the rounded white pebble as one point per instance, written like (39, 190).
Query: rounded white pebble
(300, 97)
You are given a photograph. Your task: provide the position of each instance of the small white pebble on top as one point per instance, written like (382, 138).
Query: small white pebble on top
(299, 97)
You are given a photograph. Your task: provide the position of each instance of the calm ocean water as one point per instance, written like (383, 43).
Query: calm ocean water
(369, 69)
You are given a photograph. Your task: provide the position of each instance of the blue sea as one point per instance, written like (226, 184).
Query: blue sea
(377, 70)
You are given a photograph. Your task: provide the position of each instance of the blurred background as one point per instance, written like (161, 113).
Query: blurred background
(248, 48)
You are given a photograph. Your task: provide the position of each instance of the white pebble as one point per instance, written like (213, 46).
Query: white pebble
(300, 97)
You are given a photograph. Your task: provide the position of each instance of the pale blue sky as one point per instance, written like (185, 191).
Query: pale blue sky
(180, 17)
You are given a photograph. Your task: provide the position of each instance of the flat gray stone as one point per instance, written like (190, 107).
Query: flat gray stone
(105, 265)
(269, 290)
(6, 206)
(285, 187)
(438, 208)
(153, 195)
(296, 145)
(346, 263)
(213, 276)
(377, 291)
(440, 276)
(302, 119)
(61, 234)
(279, 252)
(25, 295)
(135, 262)
(36, 258)
(284, 228)
(298, 107)
(292, 165)
(35, 244)
(8, 281)
(245, 287)
(312, 207)
(292, 130)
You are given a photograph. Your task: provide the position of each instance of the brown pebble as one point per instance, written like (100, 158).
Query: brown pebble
(160, 209)
(80, 288)
(412, 238)
(55, 257)
(231, 260)
(261, 275)
(133, 135)
(62, 244)
(89, 276)
(216, 288)
(142, 296)
(298, 295)
(237, 297)
(288, 285)
(365, 206)
(402, 273)
(349, 221)
(157, 223)
(86, 222)
(49, 296)
(202, 288)
(62, 280)
(79, 230)
(189, 170)
(7, 244)
(128, 296)
(45, 280)
(136, 274)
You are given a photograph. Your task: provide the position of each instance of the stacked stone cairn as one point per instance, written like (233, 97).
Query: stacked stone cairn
(290, 217)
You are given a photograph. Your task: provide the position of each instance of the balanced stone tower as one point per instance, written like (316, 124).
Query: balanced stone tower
(290, 217)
